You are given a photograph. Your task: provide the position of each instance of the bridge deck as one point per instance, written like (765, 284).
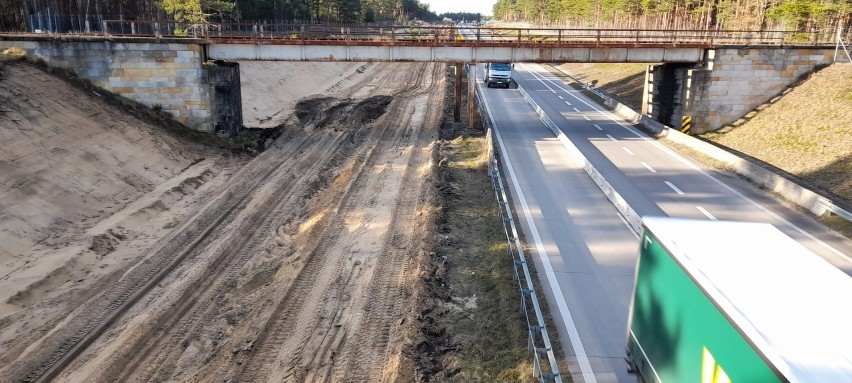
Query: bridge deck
(319, 42)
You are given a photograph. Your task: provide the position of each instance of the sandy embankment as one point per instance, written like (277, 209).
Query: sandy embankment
(92, 198)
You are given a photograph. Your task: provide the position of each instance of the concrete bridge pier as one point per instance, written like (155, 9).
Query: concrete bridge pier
(666, 93)
(459, 77)
(226, 112)
(471, 92)
(471, 88)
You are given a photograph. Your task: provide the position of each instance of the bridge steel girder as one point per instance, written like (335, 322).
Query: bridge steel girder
(359, 53)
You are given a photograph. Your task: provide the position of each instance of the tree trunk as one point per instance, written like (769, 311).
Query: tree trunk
(28, 20)
(714, 13)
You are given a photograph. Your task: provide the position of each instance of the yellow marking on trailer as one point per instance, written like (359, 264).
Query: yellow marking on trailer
(711, 372)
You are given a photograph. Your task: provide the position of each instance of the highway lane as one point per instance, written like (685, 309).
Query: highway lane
(580, 235)
(646, 172)
(577, 232)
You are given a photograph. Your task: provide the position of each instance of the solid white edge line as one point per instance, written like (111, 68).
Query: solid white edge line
(671, 185)
(707, 213)
(650, 169)
(621, 217)
(695, 167)
(628, 151)
(568, 319)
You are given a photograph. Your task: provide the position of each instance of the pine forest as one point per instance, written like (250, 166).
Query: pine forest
(822, 18)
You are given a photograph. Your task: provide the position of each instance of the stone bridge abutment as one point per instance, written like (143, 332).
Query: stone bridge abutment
(170, 74)
(729, 84)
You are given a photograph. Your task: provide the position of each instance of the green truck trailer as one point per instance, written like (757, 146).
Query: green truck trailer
(720, 302)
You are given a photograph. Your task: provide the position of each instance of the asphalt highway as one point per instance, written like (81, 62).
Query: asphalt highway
(584, 249)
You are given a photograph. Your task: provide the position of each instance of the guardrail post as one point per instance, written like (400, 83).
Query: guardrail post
(157, 29)
(537, 368)
(104, 29)
(598, 37)
(132, 28)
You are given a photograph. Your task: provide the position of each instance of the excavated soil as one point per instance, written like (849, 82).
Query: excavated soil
(301, 265)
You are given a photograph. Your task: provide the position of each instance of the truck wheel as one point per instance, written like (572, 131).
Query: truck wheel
(488, 84)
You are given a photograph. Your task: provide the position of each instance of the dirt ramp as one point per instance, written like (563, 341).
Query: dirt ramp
(334, 113)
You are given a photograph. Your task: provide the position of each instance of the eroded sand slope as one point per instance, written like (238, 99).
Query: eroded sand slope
(300, 266)
(82, 185)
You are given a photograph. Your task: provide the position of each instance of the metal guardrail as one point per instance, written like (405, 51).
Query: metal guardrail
(337, 34)
(834, 209)
(630, 216)
(538, 338)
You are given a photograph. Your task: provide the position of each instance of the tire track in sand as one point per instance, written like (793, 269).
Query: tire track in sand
(318, 317)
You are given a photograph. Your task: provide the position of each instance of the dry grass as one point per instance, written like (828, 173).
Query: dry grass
(478, 309)
(10, 55)
(13, 52)
(472, 325)
(805, 132)
(483, 308)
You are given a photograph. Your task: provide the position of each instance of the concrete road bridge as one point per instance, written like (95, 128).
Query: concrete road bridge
(191, 71)
(305, 42)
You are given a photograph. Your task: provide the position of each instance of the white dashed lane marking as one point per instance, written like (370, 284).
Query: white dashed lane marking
(671, 185)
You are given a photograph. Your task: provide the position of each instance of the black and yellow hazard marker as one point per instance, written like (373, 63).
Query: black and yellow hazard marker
(686, 124)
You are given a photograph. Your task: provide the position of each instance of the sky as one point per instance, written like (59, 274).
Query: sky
(485, 7)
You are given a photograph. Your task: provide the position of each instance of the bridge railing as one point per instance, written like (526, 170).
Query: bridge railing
(320, 34)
